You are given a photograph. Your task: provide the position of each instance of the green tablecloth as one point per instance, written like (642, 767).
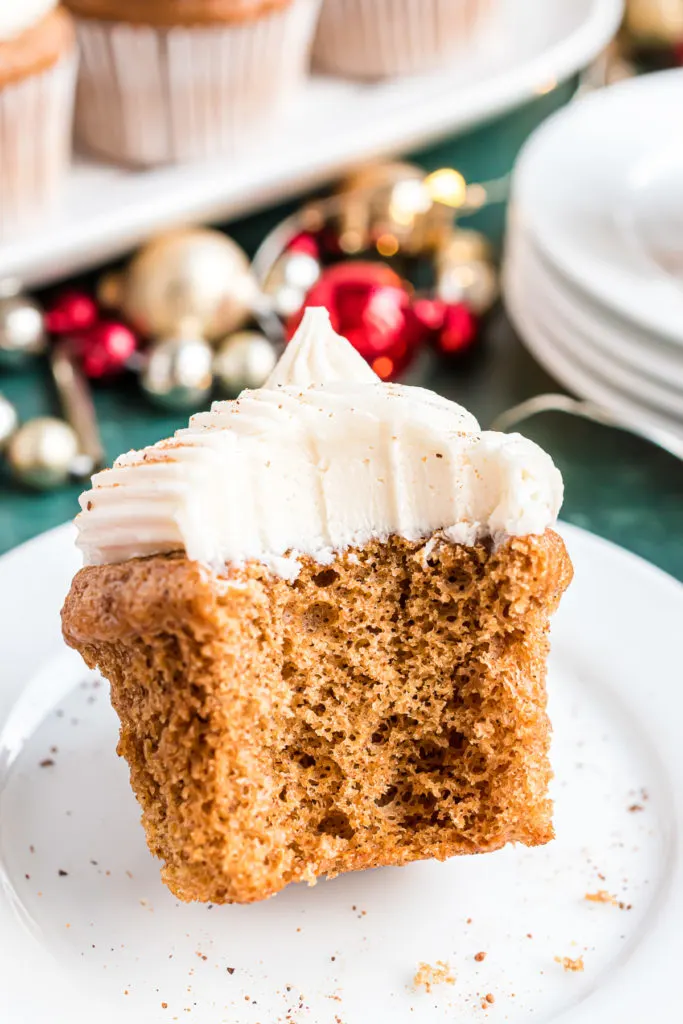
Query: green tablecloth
(616, 485)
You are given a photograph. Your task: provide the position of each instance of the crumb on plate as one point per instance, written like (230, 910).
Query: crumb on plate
(428, 975)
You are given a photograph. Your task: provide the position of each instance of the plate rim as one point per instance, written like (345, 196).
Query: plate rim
(599, 327)
(622, 300)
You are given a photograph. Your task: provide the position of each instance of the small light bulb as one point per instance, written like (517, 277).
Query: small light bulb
(447, 186)
(387, 245)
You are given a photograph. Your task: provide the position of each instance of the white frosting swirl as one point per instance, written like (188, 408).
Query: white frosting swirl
(18, 15)
(325, 456)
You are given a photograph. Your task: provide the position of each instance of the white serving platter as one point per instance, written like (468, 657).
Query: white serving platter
(530, 46)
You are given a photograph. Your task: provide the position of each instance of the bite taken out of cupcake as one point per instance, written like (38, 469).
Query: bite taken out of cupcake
(323, 610)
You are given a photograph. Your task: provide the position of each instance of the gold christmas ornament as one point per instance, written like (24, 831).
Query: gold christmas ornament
(193, 275)
(463, 246)
(244, 360)
(390, 205)
(655, 22)
(110, 290)
(289, 280)
(178, 374)
(465, 272)
(9, 421)
(42, 452)
(21, 326)
(475, 284)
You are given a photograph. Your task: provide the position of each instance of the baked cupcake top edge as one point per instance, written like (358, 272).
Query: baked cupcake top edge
(169, 13)
(35, 48)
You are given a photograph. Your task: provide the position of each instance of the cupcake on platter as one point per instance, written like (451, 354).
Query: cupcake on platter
(173, 80)
(37, 78)
(382, 38)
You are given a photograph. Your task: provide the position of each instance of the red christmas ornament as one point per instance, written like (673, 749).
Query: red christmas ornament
(104, 349)
(430, 312)
(369, 304)
(71, 312)
(458, 330)
(304, 242)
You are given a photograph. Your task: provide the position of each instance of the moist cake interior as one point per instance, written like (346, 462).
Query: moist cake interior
(386, 707)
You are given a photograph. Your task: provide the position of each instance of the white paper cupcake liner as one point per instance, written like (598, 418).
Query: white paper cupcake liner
(382, 38)
(150, 94)
(35, 146)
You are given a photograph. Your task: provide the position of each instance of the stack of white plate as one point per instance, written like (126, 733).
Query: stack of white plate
(593, 273)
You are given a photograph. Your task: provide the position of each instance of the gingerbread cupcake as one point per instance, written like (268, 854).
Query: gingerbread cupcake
(381, 38)
(173, 80)
(37, 78)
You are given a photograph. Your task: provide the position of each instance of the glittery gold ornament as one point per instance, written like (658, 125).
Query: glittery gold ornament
(42, 452)
(390, 206)
(244, 360)
(22, 333)
(465, 272)
(9, 421)
(177, 374)
(655, 22)
(198, 276)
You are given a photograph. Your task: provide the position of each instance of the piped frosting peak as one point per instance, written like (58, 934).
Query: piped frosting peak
(323, 457)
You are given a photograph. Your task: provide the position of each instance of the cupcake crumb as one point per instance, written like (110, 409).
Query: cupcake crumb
(570, 965)
(428, 975)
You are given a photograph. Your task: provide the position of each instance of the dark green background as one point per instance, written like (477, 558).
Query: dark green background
(616, 485)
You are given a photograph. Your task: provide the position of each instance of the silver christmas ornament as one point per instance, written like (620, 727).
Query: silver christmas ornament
(21, 326)
(178, 372)
(289, 280)
(9, 421)
(244, 360)
(42, 452)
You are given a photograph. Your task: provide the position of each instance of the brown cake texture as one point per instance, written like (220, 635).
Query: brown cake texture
(385, 708)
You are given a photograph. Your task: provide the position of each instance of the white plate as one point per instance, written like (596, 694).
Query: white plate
(530, 46)
(107, 942)
(584, 381)
(649, 355)
(559, 327)
(576, 178)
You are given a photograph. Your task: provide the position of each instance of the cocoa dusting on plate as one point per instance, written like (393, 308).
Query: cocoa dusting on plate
(428, 975)
(479, 957)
